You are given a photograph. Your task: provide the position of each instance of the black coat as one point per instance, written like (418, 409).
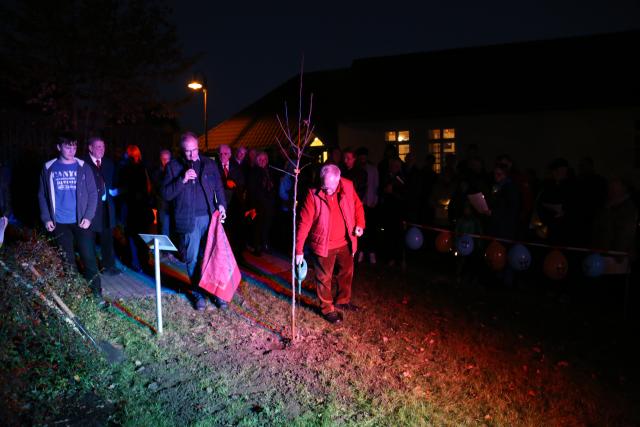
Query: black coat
(504, 202)
(261, 189)
(236, 175)
(105, 181)
(183, 195)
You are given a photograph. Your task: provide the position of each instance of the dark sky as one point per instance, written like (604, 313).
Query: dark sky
(253, 48)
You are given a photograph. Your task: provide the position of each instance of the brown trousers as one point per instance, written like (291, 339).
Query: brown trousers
(343, 260)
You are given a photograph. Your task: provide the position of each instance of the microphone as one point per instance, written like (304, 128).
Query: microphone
(193, 181)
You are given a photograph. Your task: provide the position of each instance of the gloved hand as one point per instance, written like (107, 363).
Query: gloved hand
(223, 213)
(299, 259)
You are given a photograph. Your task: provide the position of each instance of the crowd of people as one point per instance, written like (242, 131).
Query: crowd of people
(98, 207)
(86, 202)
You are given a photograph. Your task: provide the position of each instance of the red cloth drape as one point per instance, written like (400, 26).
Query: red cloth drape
(220, 272)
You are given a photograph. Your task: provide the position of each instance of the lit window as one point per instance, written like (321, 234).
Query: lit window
(434, 133)
(435, 148)
(316, 143)
(400, 139)
(440, 151)
(403, 150)
(403, 135)
(397, 136)
(449, 133)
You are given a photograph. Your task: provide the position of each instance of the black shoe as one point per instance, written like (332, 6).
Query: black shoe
(200, 303)
(220, 303)
(348, 307)
(99, 300)
(333, 317)
(112, 271)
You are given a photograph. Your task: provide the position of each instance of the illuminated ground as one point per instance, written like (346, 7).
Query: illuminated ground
(424, 351)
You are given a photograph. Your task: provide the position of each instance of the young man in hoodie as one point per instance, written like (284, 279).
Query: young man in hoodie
(68, 198)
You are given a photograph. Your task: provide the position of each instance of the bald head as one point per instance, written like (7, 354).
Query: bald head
(330, 178)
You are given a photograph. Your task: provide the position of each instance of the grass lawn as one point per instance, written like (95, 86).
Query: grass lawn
(423, 351)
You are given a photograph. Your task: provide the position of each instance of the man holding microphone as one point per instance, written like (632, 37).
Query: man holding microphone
(193, 183)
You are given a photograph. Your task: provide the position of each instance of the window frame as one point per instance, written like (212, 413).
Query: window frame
(437, 145)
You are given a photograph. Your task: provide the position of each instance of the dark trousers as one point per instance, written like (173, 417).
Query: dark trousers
(164, 222)
(105, 237)
(369, 241)
(262, 226)
(343, 260)
(235, 227)
(393, 235)
(66, 236)
(192, 246)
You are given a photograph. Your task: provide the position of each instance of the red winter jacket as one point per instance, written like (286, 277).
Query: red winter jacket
(314, 218)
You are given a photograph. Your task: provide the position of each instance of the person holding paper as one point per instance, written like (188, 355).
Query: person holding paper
(556, 204)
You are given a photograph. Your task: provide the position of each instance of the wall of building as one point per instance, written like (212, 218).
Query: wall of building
(532, 139)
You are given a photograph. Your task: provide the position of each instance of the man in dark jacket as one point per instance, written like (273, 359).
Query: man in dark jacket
(504, 204)
(234, 193)
(193, 183)
(105, 219)
(68, 199)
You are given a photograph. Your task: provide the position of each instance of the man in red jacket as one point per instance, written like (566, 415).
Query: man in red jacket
(333, 219)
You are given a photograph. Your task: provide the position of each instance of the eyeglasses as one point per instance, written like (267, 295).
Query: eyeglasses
(195, 150)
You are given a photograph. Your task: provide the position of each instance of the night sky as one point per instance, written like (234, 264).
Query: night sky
(252, 49)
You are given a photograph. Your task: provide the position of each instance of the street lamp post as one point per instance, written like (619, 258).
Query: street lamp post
(199, 84)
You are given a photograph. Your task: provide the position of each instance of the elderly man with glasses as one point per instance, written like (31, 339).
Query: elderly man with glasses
(192, 182)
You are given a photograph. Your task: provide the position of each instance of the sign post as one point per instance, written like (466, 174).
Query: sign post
(158, 242)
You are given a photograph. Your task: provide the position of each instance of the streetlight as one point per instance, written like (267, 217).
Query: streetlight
(199, 83)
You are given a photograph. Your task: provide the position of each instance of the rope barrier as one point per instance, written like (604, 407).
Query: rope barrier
(523, 242)
(126, 312)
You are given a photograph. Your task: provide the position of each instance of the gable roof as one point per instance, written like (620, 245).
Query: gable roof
(578, 72)
(257, 125)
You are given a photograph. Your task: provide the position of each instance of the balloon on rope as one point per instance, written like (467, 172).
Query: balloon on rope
(464, 245)
(519, 257)
(555, 265)
(444, 242)
(593, 265)
(414, 238)
(496, 256)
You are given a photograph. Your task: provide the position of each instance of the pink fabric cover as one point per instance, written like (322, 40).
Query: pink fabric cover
(220, 272)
